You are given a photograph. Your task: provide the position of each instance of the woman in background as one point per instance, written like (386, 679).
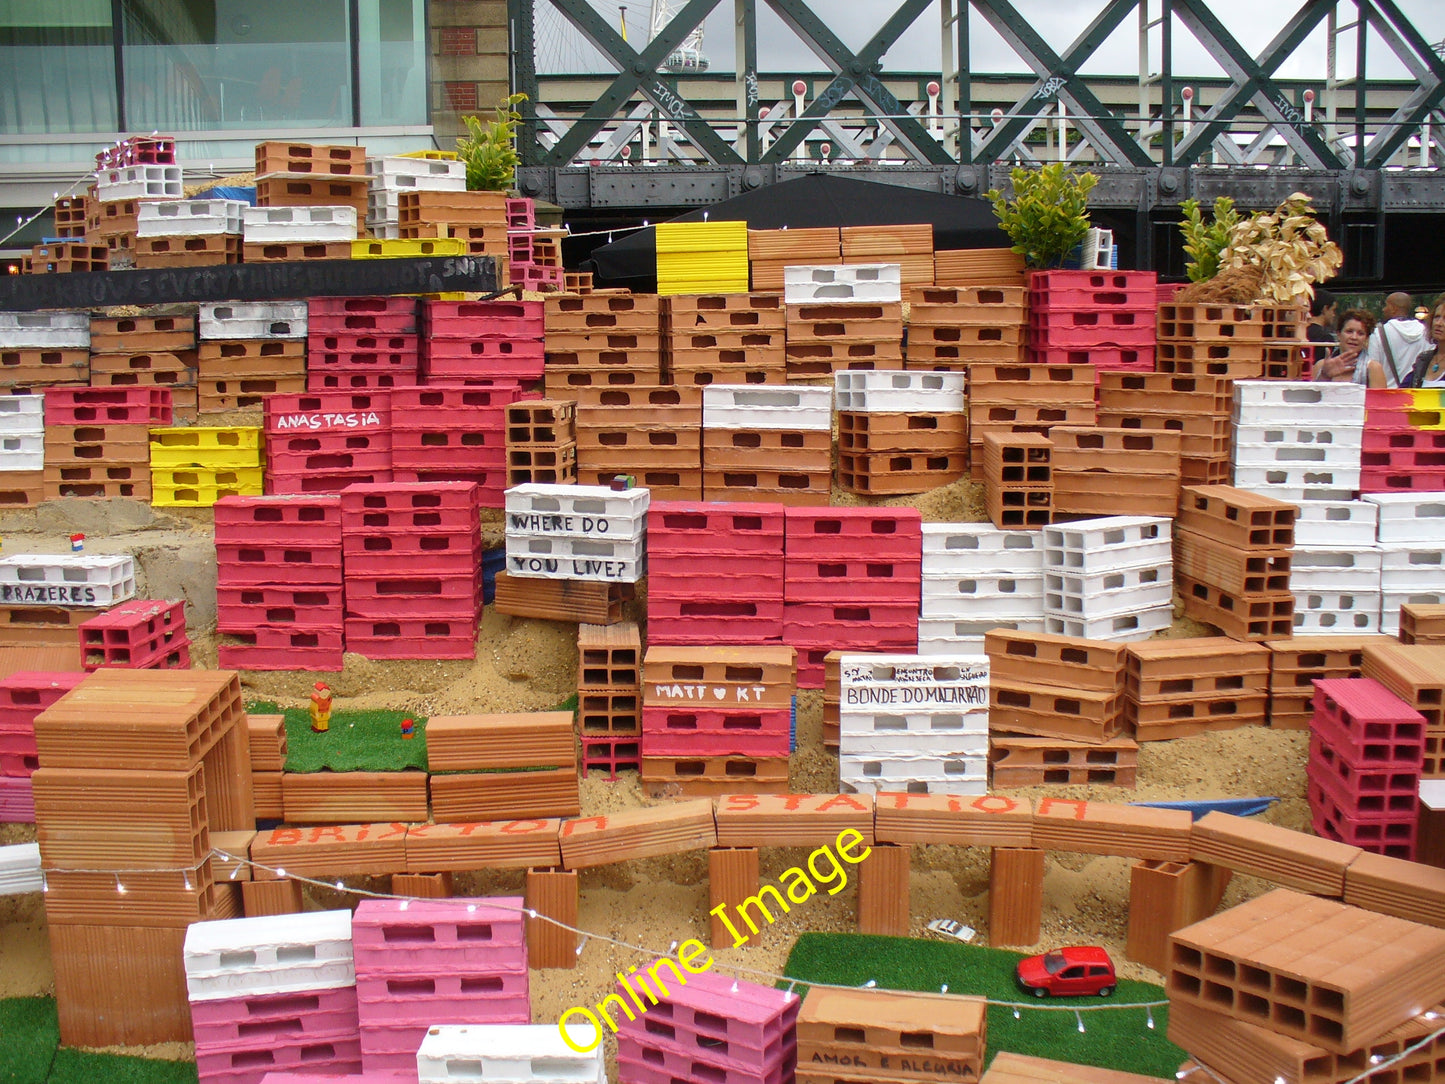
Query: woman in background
(1355, 328)
(1431, 364)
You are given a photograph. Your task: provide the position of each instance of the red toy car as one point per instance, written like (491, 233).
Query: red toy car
(1077, 971)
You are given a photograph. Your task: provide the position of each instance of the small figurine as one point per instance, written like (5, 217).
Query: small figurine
(408, 729)
(77, 543)
(623, 482)
(321, 708)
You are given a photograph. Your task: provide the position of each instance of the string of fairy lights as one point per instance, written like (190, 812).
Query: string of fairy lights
(1377, 1063)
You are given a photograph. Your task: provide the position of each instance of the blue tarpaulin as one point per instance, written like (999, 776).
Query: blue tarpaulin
(247, 195)
(1240, 807)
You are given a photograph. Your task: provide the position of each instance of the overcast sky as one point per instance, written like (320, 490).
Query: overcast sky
(1253, 22)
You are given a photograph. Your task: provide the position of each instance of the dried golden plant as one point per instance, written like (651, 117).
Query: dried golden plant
(1290, 248)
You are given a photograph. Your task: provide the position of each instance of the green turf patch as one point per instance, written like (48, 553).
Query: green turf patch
(358, 741)
(1116, 1039)
(29, 1034)
(77, 1067)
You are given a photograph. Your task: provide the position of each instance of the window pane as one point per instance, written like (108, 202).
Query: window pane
(206, 64)
(57, 66)
(393, 62)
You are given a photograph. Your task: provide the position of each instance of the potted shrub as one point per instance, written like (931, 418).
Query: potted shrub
(1048, 216)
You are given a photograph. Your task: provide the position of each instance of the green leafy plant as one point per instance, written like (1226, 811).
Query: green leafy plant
(1049, 213)
(1203, 242)
(1288, 246)
(489, 149)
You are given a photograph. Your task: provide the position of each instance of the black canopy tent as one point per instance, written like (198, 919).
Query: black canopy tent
(818, 200)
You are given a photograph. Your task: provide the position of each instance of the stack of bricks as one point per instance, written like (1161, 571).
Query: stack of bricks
(843, 317)
(361, 343)
(1018, 480)
(483, 343)
(913, 724)
(770, 251)
(1335, 569)
(324, 441)
(589, 533)
(653, 433)
(278, 582)
(478, 220)
(188, 233)
(715, 573)
(1182, 687)
(1296, 663)
(147, 351)
(534, 256)
(1102, 318)
(510, 1052)
(137, 769)
(1291, 993)
(1414, 674)
(1367, 751)
(877, 1037)
(23, 696)
(71, 214)
(975, 578)
(268, 764)
(601, 340)
(908, 246)
(195, 466)
(1422, 624)
(452, 434)
(311, 175)
(852, 579)
(435, 962)
(1298, 440)
(609, 696)
(952, 327)
(40, 349)
(389, 178)
(45, 597)
(1195, 407)
(499, 767)
(724, 339)
(249, 350)
(979, 267)
(22, 450)
(1056, 711)
(718, 1029)
(272, 994)
(63, 257)
(767, 444)
(140, 634)
(1104, 472)
(97, 440)
(717, 719)
(123, 185)
(900, 432)
(1412, 565)
(323, 232)
(1229, 341)
(1232, 561)
(412, 553)
(1109, 578)
(1026, 399)
(1404, 440)
(542, 442)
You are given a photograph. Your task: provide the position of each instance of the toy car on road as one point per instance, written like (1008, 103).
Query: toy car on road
(1076, 971)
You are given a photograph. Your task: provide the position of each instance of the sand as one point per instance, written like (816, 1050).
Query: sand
(524, 665)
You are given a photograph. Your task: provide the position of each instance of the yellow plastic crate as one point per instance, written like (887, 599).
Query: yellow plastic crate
(195, 487)
(206, 447)
(438, 156)
(393, 250)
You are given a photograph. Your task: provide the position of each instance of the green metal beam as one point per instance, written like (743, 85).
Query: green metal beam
(1386, 17)
(638, 74)
(1254, 82)
(856, 74)
(520, 16)
(1059, 75)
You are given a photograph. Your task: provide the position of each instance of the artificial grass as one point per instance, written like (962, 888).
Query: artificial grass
(358, 741)
(1119, 1038)
(30, 1053)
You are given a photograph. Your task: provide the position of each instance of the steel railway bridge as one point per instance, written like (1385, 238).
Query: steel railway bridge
(662, 134)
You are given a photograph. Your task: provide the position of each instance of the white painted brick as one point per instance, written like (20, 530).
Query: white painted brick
(606, 560)
(272, 954)
(1283, 433)
(508, 1054)
(916, 775)
(894, 392)
(577, 511)
(1332, 568)
(1107, 543)
(949, 636)
(834, 284)
(252, 320)
(736, 406)
(189, 217)
(1409, 517)
(908, 683)
(138, 182)
(1296, 456)
(1336, 523)
(985, 594)
(958, 548)
(22, 451)
(45, 330)
(396, 174)
(1093, 595)
(296, 225)
(66, 579)
(1122, 628)
(891, 744)
(1284, 397)
(22, 414)
(20, 869)
(1328, 612)
(1328, 483)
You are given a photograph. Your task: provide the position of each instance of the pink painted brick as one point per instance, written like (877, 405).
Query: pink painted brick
(464, 935)
(515, 1009)
(755, 1024)
(17, 741)
(26, 693)
(630, 1071)
(398, 1064)
(327, 1078)
(17, 801)
(226, 1023)
(337, 1054)
(444, 999)
(1365, 708)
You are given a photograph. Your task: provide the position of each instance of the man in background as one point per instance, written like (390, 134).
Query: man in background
(1395, 344)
